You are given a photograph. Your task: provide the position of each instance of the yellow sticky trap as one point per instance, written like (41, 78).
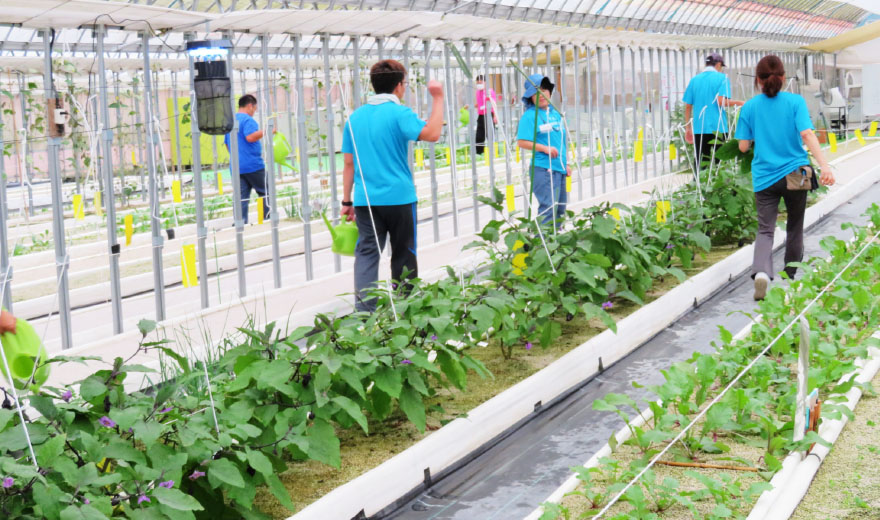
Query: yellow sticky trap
(832, 140)
(260, 210)
(129, 229)
(188, 271)
(663, 209)
(872, 130)
(79, 212)
(615, 213)
(175, 192)
(297, 155)
(99, 209)
(510, 197)
(673, 152)
(598, 145)
(486, 154)
(860, 137)
(568, 184)
(519, 260)
(133, 160)
(517, 154)
(420, 158)
(639, 153)
(641, 135)
(448, 155)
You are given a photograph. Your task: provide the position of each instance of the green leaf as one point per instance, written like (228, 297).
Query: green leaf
(595, 259)
(389, 381)
(84, 512)
(412, 405)
(260, 462)
(279, 491)
(92, 387)
(353, 410)
(147, 432)
(176, 499)
(52, 448)
(323, 443)
(223, 471)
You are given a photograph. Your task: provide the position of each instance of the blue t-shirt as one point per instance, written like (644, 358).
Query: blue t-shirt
(702, 92)
(775, 124)
(381, 137)
(551, 131)
(250, 155)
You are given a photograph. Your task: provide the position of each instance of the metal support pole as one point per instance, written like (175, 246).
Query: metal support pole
(624, 137)
(453, 145)
(589, 101)
(234, 172)
(5, 266)
(28, 164)
(432, 156)
(666, 115)
(600, 102)
(356, 72)
(472, 129)
(109, 198)
(120, 147)
(509, 133)
(648, 96)
(61, 259)
(488, 118)
(153, 187)
(525, 166)
(638, 115)
(331, 145)
(174, 104)
(139, 125)
(380, 47)
(303, 159)
(214, 165)
(577, 118)
(269, 103)
(613, 118)
(201, 230)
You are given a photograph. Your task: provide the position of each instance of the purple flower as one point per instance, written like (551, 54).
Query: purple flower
(406, 362)
(168, 484)
(166, 409)
(66, 396)
(528, 345)
(433, 337)
(142, 499)
(86, 501)
(607, 305)
(8, 482)
(197, 474)
(107, 422)
(670, 246)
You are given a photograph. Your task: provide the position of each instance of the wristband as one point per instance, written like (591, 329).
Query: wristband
(347, 203)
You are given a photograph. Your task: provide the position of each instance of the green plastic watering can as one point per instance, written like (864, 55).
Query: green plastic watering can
(345, 236)
(22, 349)
(281, 149)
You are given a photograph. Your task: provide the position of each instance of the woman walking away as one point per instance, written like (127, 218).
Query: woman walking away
(778, 123)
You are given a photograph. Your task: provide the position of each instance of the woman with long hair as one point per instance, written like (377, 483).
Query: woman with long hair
(779, 124)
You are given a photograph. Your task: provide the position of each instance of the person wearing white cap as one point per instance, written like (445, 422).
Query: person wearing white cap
(704, 120)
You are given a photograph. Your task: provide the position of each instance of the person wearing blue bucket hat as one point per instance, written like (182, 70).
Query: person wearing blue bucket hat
(542, 130)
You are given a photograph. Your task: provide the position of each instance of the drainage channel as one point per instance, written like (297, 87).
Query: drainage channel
(508, 480)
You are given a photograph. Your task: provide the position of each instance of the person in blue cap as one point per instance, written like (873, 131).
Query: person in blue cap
(542, 130)
(704, 120)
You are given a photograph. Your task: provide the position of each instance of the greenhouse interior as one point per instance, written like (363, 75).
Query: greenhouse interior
(632, 258)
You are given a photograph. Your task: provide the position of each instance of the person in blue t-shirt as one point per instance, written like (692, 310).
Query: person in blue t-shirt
(251, 168)
(704, 120)
(549, 146)
(375, 144)
(779, 124)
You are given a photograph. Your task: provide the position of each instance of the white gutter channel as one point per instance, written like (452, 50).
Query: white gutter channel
(791, 483)
(382, 486)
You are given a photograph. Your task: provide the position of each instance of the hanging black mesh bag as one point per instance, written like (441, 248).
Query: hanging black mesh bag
(214, 105)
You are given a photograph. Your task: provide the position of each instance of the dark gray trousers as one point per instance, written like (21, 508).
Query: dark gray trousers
(399, 224)
(767, 202)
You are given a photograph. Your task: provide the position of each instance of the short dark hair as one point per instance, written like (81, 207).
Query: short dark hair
(245, 100)
(480, 78)
(386, 75)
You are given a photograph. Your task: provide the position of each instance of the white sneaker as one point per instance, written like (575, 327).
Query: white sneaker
(761, 283)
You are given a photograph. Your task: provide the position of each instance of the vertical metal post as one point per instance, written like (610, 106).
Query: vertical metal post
(234, 172)
(153, 139)
(636, 115)
(677, 97)
(28, 164)
(5, 266)
(303, 159)
(648, 87)
(600, 102)
(138, 132)
(613, 118)
(61, 260)
(201, 230)
(380, 47)
(472, 126)
(666, 115)
(214, 164)
(435, 210)
(75, 151)
(120, 141)
(525, 166)
(488, 118)
(589, 102)
(99, 163)
(268, 102)
(407, 99)
(109, 198)
(453, 145)
(356, 72)
(174, 104)
(331, 145)
(534, 59)
(624, 138)
(509, 132)
(577, 118)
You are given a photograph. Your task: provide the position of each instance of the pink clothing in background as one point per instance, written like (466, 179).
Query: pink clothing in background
(481, 100)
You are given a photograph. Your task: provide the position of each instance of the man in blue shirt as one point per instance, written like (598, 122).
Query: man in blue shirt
(704, 120)
(547, 138)
(251, 168)
(375, 144)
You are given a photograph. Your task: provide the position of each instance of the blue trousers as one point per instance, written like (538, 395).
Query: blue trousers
(549, 189)
(256, 181)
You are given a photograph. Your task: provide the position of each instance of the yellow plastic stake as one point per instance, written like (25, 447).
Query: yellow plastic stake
(79, 212)
(832, 140)
(175, 192)
(133, 160)
(615, 212)
(517, 154)
(188, 271)
(599, 145)
(860, 137)
(568, 184)
(663, 209)
(486, 153)
(420, 158)
(129, 229)
(511, 200)
(448, 156)
(639, 150)
(259, 210)
(673, 152)
(99, 209)
(872, 130)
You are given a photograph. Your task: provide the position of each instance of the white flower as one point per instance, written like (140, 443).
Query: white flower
(370, 387)
(432, 356)
(619, 267)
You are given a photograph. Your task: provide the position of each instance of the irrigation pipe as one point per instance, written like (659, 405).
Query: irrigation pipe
(738, 377)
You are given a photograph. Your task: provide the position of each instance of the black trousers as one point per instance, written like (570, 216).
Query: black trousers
(767, 202)
(705, 145)
(253, 181)
(397, 222)
(481, 133)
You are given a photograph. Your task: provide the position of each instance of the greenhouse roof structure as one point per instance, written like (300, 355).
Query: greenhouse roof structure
(788, 24)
